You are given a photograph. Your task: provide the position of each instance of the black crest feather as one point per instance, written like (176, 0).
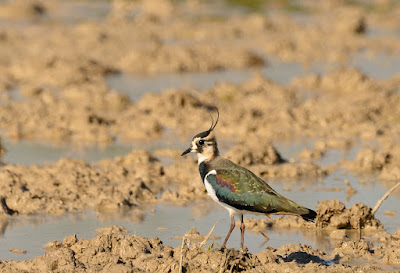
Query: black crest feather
(206, 133)
(212, 120)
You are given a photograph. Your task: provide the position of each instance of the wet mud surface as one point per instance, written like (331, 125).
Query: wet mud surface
(113, 249)
(59, 73)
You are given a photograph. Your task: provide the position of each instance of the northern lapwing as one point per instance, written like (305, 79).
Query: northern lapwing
(236, 188)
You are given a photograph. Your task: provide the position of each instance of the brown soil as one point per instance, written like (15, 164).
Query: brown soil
(113, 250)
(73, 185)
(332, 213)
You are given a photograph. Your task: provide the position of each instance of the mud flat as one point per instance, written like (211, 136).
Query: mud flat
(115, 250)
(53, 88)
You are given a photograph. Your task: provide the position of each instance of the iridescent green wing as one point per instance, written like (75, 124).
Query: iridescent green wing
(243, 190)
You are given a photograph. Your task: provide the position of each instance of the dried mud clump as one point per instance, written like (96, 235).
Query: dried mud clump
(114, 250)
(257, 225)
(290, 170)
(391, 170)
(319, 42)
(173, 108)
(253, 152)
(263, 159)
(79, 113)
(368, 114)
(389, 251)
(322, 146)
(384, 162)
(333, 214)
(182, 58)
(23, 9)
(257, 114)
(351, 21)
(73, 185)
(371, 160)
(349, 250)
(386, 253)
(185, 183)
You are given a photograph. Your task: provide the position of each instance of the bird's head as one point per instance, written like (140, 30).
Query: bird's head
(204, 143)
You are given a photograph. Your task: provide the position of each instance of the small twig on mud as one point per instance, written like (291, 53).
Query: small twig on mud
(208, 235)
(181, 258)
(383, 198)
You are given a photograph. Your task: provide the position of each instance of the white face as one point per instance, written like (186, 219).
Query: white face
(205, 145)
(203, 148)
(202, 145)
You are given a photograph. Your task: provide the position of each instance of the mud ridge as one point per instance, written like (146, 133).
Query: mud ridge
(113, 249)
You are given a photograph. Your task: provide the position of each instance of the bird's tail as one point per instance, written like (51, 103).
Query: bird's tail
(309, 216)
(288, 207)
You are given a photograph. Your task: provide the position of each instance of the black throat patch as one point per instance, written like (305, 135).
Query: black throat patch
(203, 169)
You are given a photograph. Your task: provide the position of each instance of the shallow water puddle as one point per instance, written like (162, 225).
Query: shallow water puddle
(79, 11)
(290, 150)
(380, 65)
(136, 86)
(284, 72)
(30, 152)
(169, 223)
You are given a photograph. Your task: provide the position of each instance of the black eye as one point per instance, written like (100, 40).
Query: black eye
(201, 142)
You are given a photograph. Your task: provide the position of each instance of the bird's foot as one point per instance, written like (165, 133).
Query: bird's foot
(244, 250)
(222, 248)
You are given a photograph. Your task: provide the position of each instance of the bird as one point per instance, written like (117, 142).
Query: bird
(236, 188)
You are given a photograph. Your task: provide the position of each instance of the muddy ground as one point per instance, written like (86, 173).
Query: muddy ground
(113, 250)
(53, 88)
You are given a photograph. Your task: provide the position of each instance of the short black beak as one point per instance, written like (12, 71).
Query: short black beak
(187, 151)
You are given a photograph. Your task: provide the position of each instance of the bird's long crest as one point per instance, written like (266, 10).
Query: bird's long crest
(212, 120)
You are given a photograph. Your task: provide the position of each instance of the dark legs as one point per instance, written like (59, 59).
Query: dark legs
(242, 228)
(230, 231)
